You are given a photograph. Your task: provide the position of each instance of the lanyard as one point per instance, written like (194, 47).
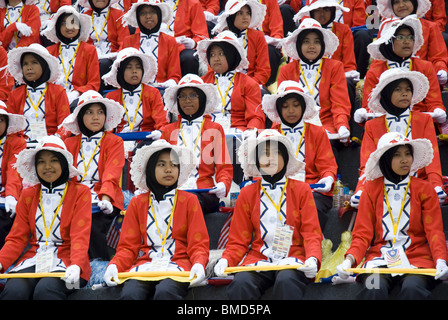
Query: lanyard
(169, 222)
(86, 167)
(407, 126)
(131, 125)
(36, 107)
(223, 99)
(395, 225)
(102, 29)
(48, 230)
(197, 138)
(315, 80)
(279, 205)
(301, 138)
(67, 73)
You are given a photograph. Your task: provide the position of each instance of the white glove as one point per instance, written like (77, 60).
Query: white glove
(280, 2)
(441, 270)
(111, 275)
(72, 96)
(220, 267)
(249, 134)
(441, 194)
(106, 206)
(219, 190)
(72, 273)
(187, 42)
(198, 271)
(10, 205)
(273, 41)
(210, 17)
(354, 200)
(327, 181)
(353, 74)
(360, 115)
(168, 83)
(154, 135)
(442, 77)
(24, 29)
(310, 267)
(344, 134)
(287, 261)
(342, 269)
(439, 115)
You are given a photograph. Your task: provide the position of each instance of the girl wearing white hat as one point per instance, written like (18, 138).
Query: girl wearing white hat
(399, 222)
(433, 48)
(21, 23)
(243, 18)
(192, 101)
(53, 219)
(393, 98)
(321, 77)
(99, 155)
(11, 143)
(273, 208)
(240, 95)
(44, 103)
(396, 48)
(78, 60)
(164, 228)
(143, 108)
(293, 114)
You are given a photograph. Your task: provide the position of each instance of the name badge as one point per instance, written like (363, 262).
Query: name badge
(282, 242)
(44, 260)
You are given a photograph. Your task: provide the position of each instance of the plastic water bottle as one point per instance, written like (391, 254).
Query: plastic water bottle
(338, 192)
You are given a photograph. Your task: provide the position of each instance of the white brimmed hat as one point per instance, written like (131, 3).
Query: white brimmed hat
(84, 21)
(25, 163)
(130, 17)
(113, 112)
(388, 31)
(138, 165)
(225, 36)
(258, 11)
(16, 122)
(191, 80)
(423, 153)
(269, 101)
(385, 8)
(15, 67)
(149, 66)
(86, 3)
(330, 39)
(419, 82)
(27, 2)
(247, 153)
(306, 10)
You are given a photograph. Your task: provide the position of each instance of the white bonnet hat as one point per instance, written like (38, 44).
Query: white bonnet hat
(138, 165)
(423, 153)
(306, 10)
(247, 156)
(386, 10)
(25, 163)
(16, 122)
(130, 17)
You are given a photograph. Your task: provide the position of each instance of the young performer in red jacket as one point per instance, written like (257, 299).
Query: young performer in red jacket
(399, 221)
(293, 113)
(53, 218)
(274, 223)
(44, 103)
(99, 155)
(192, 101)
(164, 228)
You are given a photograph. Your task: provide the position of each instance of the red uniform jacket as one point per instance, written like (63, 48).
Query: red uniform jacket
(31, 17)
(334, 101)
(425, 225)
(56, 4)
(437, 13)
(345, 51)
(188, 230)
(245, 227)
(273, 21)
(154, 114)
(211, 6)
(116, 33)
(168, 62)
(258, 56)
(433, 99)
(110, 166)
(422, 126)
(86, 69)
(75, 223)
(57, 107)
(319, 157)
(6, 79)
(246, 112)
(10, 178)
(190, 21)
(213, 147)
